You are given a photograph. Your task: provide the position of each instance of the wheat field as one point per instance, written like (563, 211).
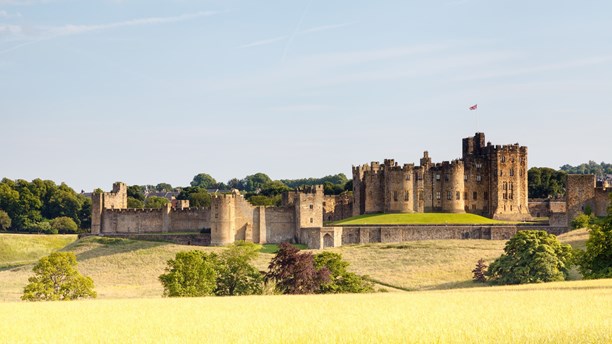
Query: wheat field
(565, 312)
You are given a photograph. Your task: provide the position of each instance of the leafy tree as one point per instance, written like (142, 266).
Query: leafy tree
(136, 191)
(135, 203)
(236, 276)
(62, 203)
(341, 280)
(255, 182)
(544, 182)
(163, 187)
(5, 220)
(197, 196)
(191, 273)
(56, 278)
(155, 202)
(596, 260)
(294, 272)
(264, 200)
(480, 271)
(234, 183)
(531, 257)
(85, 212)
(41, 227)
(273, 188)
(64, 225)
(591, 167)
(337, 179)
(204, 181)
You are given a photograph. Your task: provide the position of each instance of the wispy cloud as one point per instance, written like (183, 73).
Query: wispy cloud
(264, 42)
(323, 28)
(5, 14)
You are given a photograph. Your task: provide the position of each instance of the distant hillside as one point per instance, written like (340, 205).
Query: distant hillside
(19, 249)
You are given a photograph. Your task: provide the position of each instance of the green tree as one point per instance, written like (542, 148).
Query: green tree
(544, 182)
(582, 221)
(596, 260)
(64, 225)
(85, 212)
(191, 273)
(134, 203)
(197, 196)
(273, 188)
(236, 276)
(255, 182)
(56, 278)
(257, 200)
(163, 187)
(341, 280)
(137, 192)
(531, 257)
(204, 181)
(5, 220)
(155, 202)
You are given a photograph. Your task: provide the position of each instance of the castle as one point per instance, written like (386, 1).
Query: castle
(489, 180)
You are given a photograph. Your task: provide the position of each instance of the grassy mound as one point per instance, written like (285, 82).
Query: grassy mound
(20, 249)
(498, 315)
(417, 218)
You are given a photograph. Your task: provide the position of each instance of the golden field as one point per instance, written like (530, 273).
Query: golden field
(563, 312)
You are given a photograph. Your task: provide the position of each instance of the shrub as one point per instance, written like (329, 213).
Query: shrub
(531, 257)
(341, 281)
(58, 279)
(596, 260)
(582, 221)
(5, 220)
(479, 271)
(64, 225)
(190, 273)
(294, 272)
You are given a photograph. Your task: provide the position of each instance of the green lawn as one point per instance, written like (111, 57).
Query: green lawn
(20, 249)
(273, 248)
(418, 218)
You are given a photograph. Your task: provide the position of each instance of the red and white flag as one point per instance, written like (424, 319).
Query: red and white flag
(474, 107)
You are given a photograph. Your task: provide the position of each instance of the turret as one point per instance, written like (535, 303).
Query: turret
(223, 219)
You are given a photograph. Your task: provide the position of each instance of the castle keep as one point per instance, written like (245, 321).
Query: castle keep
(488, 180)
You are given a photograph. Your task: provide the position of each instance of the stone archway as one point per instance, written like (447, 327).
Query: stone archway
(328, 240)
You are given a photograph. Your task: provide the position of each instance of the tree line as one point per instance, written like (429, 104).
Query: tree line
(547, 182)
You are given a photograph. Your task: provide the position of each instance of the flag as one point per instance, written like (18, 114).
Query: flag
(474, 107)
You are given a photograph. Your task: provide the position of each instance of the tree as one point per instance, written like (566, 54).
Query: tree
(136, 191)
(530, 257)
(163, 187)
(341, 280)
(582, 221)
(204, 181)
(294, 272)
(155, 202)
(236, 276)
(480, 271)
(56, 278)
(64, 225)
(197, 196)
(191, 273)
(544, 182)
(596, 260)
(263, 200)
(273, 188)
(134, 203)
(5, 220)
(254, 182)
(85, 212)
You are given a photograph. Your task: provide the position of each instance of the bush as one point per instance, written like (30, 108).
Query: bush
(531, 257)
(294, 272)
(190, 273)
(57, 279)
(582, 221)
(5, 220)
(236, 276)
(596, 260)
(341, 281)
(64, 225)
(479, 271)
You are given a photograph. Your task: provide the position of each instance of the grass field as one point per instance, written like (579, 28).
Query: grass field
(566, 312)
(20, 249)
(124, 268)
(417, 218)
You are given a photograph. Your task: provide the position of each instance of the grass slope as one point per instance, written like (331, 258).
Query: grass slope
(124, 268)
(417, 218)
(581, 314)
(20, 249)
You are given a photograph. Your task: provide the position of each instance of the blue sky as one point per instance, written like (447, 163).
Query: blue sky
(157, 91)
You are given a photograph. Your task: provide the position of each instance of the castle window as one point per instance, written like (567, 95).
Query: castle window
(475, 195)
(421, 198)
(511, 172)
(465, 177)
(521, 172)
(458, 195)
(512, 159)
(486, 195)
(505, 195)
(408, 177)
(465, 195)
(478, 165)
(501, 173)
(406, 196)
(511, 186)
(419, 176)
(510, 207)
(505, 186)
(395, 196)
(311, 220)
(446, 177)
(311, 206)
(478, 178)
(437, 177)
(449, 195)
(473, 206)
(438, 195)
(503, 158)
(324, 204)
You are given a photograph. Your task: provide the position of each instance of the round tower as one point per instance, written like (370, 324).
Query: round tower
(407, 206)
(222, 219)
(453, 188)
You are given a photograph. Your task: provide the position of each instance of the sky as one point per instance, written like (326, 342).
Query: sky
(93, 92)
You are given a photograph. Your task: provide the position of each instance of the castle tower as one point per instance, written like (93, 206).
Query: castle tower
(223, 219)
(309, 207)
(452, 187)
(508, 171)
(116, 199)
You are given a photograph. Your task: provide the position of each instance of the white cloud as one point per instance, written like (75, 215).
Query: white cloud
(264, 42)
(323, 28)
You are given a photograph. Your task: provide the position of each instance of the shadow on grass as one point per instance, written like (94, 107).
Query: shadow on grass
(95, 247)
